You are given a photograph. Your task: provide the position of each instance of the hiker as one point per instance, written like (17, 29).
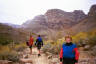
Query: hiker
(31, 40)
(69, 53)
(39, 44)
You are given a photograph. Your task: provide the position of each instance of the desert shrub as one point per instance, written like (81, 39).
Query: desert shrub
(85, 38)
(92, 41)
(9, 52)
(60, 41)
(81, 43)
(20, 47)
(11, 56)
(93, 51)
(52, 48)
(80, 36)
(4, 48)
(46, 47)
(5, 42)
(55, 49)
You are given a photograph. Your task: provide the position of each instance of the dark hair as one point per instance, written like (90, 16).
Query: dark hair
(39, 36)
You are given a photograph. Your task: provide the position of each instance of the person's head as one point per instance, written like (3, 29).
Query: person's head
(30, 35)
(68, 39)
(39, 36)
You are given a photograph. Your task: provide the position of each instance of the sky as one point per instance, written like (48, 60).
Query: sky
(19, 11)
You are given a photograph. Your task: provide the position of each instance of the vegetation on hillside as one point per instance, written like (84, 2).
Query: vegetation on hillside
(87, 40)
(11, 51)
(9, 35)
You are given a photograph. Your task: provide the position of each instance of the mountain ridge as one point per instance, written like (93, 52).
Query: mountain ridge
(56, 23)
(53, 21)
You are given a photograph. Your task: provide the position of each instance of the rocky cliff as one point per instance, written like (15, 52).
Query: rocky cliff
(56, 22)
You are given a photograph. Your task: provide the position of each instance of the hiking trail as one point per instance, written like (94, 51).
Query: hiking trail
(33, 58)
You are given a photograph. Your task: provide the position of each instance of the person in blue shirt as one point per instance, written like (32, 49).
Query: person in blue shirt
(39, 43)
(69, 53)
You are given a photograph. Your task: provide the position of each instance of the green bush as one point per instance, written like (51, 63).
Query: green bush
(5, 41)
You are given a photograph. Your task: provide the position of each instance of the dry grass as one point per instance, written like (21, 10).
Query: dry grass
(10, 53)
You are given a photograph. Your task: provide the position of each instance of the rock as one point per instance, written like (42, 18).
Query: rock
(20, 54)
(5, 62)
(86, 46)
(48, 53)
(36, 24)
(52, 21)
(88, 23)
(93, 50)
(79, 15)
(59, 19)
(25, 60)
(56, 21)
(50, 57)
(81, 48)
(28, 63)
(92, 11)
(26, 56)
(55, 60)
(94, 47)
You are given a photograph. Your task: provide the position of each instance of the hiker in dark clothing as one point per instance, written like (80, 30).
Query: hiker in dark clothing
(69, 53)
(39, 43)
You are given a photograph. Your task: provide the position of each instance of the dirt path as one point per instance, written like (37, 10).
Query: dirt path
(34, 57)
(43, 59)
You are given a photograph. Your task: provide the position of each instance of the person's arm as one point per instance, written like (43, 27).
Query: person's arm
(76, 55)
(61, 54)
(36, 42)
